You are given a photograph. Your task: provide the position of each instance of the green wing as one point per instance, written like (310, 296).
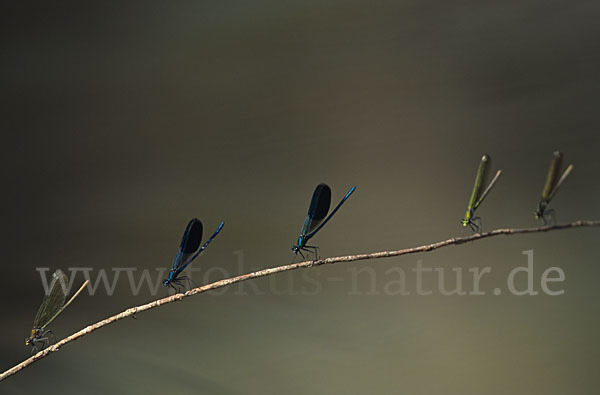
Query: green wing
(53, 301)
(560, 181)
(552, 177)
(488, 189)
(479, 181)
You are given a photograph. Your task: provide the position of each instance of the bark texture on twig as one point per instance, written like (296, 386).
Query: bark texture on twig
(266, 272)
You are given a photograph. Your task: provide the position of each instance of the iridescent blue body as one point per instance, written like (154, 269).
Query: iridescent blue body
(316, 217)
(188, 251)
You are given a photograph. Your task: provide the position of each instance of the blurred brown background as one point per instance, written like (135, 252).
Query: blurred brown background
(121, 122)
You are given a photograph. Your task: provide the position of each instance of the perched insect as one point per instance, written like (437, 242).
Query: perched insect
(319, 206)
(188, 251)
(52, 305)
(479, 193)
(553, 182)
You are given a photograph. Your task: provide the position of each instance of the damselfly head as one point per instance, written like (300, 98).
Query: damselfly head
(539, 213)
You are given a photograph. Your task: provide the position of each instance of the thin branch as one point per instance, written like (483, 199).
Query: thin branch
(266, 272)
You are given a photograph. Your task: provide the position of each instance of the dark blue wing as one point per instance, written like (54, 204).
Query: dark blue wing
(314, 232)
(189, 243)
(202, 248)
(319, 206)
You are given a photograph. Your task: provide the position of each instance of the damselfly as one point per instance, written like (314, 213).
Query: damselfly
(553, 182)
(188, 251)
(52, 305)
(319, 206)
(479, 193)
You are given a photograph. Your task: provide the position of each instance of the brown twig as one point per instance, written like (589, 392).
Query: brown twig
(266, 272)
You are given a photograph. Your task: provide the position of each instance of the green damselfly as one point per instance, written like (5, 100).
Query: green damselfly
(553, 182)
(479, 193)
(52, 305)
